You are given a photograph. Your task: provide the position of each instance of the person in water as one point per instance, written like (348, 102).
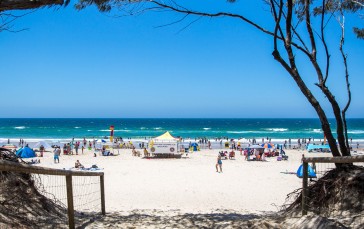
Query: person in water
(219, 164)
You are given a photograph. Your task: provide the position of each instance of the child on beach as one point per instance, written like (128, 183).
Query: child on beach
(219, 164)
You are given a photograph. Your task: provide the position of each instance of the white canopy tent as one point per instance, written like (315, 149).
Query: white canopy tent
(164, 144)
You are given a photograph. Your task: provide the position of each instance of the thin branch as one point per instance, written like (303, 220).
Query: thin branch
(172, 23)
(344, 56)
(189, 24)
(324, 42)
(222, 14)
(312, 39)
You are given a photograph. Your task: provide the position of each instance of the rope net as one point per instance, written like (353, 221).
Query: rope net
(86, 192)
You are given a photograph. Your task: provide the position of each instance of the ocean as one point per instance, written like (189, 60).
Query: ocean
(140, 128)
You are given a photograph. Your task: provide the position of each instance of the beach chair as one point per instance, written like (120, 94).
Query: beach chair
(232, 155)
(223, 155)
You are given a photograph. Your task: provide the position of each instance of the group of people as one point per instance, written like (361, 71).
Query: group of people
(225, 154)
(137, 153)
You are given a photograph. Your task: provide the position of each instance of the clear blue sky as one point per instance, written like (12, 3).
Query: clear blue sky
(89, 64)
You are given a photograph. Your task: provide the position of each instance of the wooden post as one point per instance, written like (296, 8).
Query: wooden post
(102, 190)
(71, 215)
(304, 188)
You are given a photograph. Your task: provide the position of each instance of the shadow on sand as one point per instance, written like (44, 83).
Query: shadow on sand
(138, 219)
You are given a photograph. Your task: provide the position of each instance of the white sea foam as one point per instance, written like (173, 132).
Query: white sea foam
(317, 130)
(206, 128)
(241, 132)
(356, 132)
(158, 128)
(143, 128)
(277, 129)
(77, 127)
(115, 130)
(20, 127)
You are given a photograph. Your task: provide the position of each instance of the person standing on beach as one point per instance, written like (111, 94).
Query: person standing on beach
(57, 153)
(76, 148)
(219, 164)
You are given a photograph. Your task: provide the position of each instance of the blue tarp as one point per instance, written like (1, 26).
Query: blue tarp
(312, 146)
(25, 152)
(311, 173)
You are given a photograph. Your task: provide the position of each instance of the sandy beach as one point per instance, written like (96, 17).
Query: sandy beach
(191, 184)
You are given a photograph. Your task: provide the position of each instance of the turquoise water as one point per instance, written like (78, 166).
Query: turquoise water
(186, 128)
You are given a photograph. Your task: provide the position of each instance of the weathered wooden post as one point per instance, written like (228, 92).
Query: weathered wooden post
(304, 186)
(102, 190)
(71, 215)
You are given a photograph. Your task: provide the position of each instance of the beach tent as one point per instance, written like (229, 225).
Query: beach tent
(165, 137)
(194, 146)
(43, 143)
(25, 152)
(164, 144)
(311, 173)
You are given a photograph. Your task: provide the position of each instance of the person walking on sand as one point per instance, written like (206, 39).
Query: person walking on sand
(57, 152)
(219, 164)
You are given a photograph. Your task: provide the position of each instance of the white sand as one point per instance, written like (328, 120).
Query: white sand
(192, 185)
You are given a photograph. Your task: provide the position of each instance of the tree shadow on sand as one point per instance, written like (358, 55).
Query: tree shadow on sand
(140, 219)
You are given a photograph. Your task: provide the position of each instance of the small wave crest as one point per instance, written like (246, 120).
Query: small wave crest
(20, 127)
(356, 132)
(115, 130)
(277, 129)
(158, 128)
(240, 132)
(77, 127)
(206, 128)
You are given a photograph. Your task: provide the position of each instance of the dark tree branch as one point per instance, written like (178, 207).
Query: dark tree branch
(29, 4)
(277, 20)
(344, 56)
(324, 42)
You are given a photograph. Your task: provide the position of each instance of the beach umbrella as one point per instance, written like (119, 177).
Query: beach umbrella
(268, 145)
(43, 143)
(256, 147)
